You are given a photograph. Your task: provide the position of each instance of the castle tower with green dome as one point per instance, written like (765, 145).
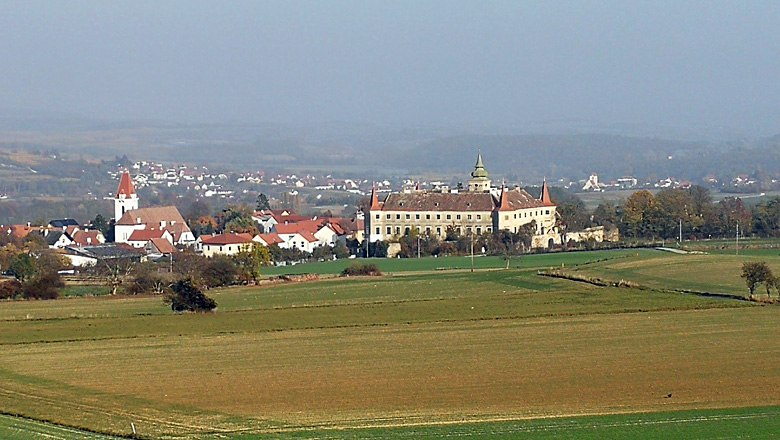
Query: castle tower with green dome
(480, 180)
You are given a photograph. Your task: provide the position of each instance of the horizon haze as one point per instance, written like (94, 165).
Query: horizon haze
(702, 67)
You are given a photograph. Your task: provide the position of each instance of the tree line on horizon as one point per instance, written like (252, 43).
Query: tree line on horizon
(690, 212)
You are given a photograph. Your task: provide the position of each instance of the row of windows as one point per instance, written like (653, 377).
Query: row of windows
(458, 216)
(525, 214)
(407, 230)
(428, 216)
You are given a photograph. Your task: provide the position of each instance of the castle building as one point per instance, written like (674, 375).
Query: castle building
(130, 218)
(481, 209)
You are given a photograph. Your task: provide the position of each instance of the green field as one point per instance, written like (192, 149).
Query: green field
(743, 423)
(712, 272)
(429, 350)
(394, 265)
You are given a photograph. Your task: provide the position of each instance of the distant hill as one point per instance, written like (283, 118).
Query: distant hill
(417, 150)
(535, 156)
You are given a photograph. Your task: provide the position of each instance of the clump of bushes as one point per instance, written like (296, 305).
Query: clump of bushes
(43, 286)
(185, 296)
(10, 289)
(368, 269)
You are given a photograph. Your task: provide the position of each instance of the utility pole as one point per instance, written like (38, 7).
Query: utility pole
(680, 240)
(472, 252)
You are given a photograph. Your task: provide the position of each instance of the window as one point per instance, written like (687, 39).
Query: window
(547, 212)
(457, 216)
(479, 216)
(427, 216)
(438, 231)
(489, 229)
(389, 230)
(398, 216)
(449, 216)
(397, 230)
(438, 216)
(468, 229)
(377, 230)
(408, 216)
(377, 216)
(388, 216)
(479, 231)
(469, 217)
(407, 230)
(417, 216)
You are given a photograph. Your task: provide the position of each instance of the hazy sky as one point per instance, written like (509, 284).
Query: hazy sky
(671, 63)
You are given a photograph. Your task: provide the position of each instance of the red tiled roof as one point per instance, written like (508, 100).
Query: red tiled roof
(504, 202)
(375, 204)
(271, 238)
(126, 187)
(229, 238)
(88, 238)
(308, 236)
(152, 217)
(431, 201)
(21, 231)
(336, 227)
(163, 246)
(146, 234)
(518, 198)
(545, 197)
(310, 226)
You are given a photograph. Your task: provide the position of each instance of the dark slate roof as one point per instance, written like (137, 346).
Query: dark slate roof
(63, 222)
(52, 237)
(433, 201)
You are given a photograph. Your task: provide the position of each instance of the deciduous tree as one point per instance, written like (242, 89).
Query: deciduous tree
(756, 273)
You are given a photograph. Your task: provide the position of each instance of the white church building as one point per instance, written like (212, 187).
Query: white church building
(129, 217)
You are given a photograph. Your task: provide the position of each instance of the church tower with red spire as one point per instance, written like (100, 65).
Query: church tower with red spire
(125, 198)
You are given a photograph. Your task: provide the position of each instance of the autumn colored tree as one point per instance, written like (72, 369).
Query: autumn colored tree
(639, 215)
(251, 261)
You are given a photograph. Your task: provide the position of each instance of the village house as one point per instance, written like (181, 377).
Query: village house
(224, 244)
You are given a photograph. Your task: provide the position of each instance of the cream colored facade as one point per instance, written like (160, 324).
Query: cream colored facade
(481, 209)
(226, 244)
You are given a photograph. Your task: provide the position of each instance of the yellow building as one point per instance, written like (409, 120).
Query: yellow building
(482, 208)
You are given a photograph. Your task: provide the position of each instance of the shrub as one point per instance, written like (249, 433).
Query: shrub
(361, 269)
(187, 297)
(43, 286)
(10, 289)
(220, 270)
(149, 282)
